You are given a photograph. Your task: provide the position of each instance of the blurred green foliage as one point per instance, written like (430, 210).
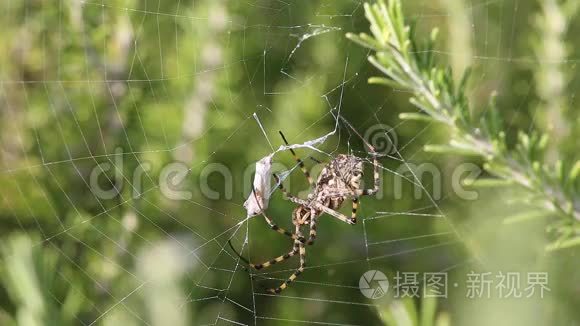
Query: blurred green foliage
(124, 83)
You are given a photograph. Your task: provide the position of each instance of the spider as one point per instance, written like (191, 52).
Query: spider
(340, 180)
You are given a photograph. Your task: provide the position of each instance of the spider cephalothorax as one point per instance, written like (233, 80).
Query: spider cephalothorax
(344, 171)
(339, 180)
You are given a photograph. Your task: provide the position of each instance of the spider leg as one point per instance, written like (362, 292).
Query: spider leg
(299, 161)
(355, 204)
(275, 227)
(289, 196)
(295, 274)
(278, 259)
(336, 214)
(313, 220)
(280, 230)
(315, 159)
(377, 179)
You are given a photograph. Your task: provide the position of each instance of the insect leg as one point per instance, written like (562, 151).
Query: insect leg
(376, 177)
(276, 260)
(273, 225)
(336, 214)
(294, 275)
(299, 161)
(280, 230)
(290, 197)
(313, 220)
(355, 205)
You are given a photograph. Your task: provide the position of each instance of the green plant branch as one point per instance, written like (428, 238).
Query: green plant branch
(411, 66)
(551, 78)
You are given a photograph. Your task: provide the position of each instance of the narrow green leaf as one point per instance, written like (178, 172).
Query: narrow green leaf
(363, 41)
(446, 149)
(525, 216)
(569, 243)
(411, 310)
(575, 171)
(443, 320)
(428, 310)
(434, 34)
(559, 169)
(415, 116)
(385, 82)
(424, 107)
(543, 142)
(375, 21)
(73, 304)
(464, 80)
(387, 70)
(487, 183)
(386, 316)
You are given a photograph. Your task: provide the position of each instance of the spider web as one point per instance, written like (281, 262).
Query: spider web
(216, 278)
